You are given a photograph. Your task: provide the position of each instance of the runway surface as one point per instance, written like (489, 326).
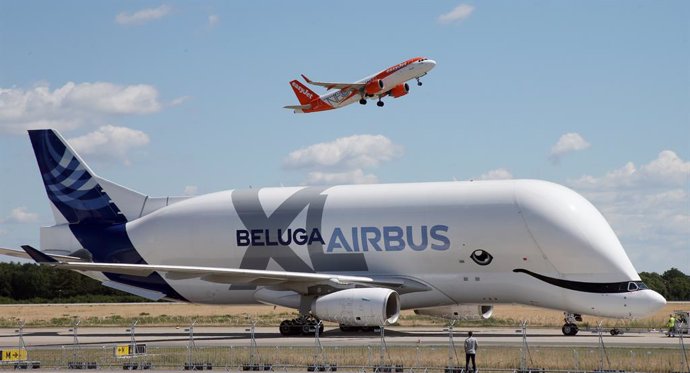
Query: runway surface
(269, 336)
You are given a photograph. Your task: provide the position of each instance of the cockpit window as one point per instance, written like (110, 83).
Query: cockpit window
(636, 285)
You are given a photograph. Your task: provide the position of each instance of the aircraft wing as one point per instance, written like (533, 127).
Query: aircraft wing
(332, 85)
(297, 281)
(24, 255)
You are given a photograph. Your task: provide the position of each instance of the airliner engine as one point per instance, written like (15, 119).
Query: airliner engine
(400, 90)
(460, 312)
(373, 87)
(359, 307)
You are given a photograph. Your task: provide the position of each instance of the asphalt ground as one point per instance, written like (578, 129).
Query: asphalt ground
(269, 336)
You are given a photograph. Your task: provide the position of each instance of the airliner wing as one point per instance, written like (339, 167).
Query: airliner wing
(296, 281)
(332, 85)
(24, 255)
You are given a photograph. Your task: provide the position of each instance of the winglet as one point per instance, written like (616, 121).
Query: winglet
(38, 256)
(306, 79)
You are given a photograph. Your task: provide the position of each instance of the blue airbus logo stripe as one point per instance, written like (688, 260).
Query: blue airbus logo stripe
(71, 188)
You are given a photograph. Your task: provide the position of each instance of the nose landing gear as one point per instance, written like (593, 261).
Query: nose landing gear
(570, 328)
(419, 82)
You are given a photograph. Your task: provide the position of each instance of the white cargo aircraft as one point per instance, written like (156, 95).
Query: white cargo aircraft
(351, 254)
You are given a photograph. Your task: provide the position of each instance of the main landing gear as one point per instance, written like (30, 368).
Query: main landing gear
(362, 101)
(379, 103)
(570, 328)
(302, 325)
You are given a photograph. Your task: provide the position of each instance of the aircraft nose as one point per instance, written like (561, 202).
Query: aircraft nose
(655, 300)
(646, 302)
(430, 64)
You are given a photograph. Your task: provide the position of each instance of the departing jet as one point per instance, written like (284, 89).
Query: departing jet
(351, 254)
(389, 82)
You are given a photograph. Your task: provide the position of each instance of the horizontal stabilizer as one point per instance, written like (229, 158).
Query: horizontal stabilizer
(298, 107)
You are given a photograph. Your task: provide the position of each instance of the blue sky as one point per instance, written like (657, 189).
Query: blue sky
(171, 97)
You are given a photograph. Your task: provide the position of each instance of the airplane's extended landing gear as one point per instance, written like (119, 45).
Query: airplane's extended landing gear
(379, 103)
(362, 101)
(570, 328)
(303, 325)
(419, 82)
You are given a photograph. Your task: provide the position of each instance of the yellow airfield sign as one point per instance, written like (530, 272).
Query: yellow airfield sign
(13, 355)
(122, 350)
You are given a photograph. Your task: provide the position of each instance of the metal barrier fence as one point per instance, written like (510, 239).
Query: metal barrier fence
(397, 358)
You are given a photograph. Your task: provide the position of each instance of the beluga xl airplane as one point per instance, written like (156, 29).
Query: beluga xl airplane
(352, 254)
(388, 82)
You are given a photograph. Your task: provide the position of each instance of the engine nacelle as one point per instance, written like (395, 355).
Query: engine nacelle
(373, 87)
(359, 307)
(460, 312)
(400, 90)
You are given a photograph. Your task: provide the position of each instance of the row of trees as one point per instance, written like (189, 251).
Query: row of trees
(673, 284)
(30, 283)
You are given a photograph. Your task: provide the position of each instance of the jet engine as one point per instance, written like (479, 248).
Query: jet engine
(459, 312)
(373, 87)
(359, 307)
(400, 90)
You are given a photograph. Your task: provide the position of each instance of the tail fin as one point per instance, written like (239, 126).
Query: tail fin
(72, 187)
(304, 94)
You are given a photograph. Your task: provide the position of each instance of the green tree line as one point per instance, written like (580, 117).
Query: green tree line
(673, 284)
(31, 283)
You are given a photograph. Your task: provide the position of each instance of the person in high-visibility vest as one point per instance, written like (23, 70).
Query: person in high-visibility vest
(671, 324)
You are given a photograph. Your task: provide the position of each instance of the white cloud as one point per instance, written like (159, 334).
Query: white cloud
(213, 20)
(180, 100)
(345, 153)
(667, 170)
(142, 16)
(343, 160)
(191, 190)
(497, 174)
(21, 215)
(110, 142)
(72, 105)
(332, 178)
(648, 207)
(570, 142)
(458, 14)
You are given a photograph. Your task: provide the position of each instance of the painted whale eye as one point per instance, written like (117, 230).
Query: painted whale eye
(481, 257)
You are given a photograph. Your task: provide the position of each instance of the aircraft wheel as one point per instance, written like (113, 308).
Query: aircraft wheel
(285, 328)
(419, 84)
(379, 104)
(305, 329)
(570, 329)
(362, 102)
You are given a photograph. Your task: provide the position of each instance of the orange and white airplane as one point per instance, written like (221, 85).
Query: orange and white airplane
(389, 82)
